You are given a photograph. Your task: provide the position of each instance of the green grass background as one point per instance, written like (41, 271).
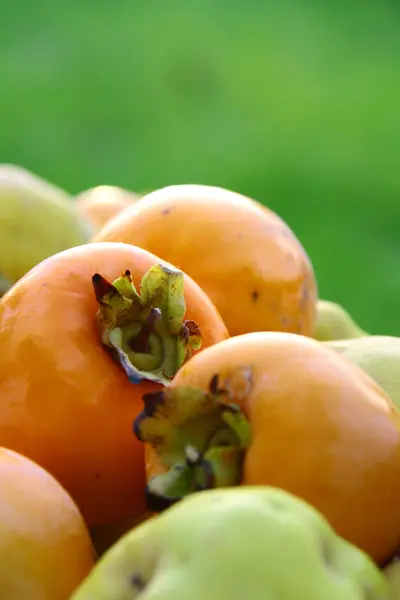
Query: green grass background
(294, 103)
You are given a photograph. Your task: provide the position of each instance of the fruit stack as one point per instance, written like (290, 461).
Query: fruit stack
(181, 417)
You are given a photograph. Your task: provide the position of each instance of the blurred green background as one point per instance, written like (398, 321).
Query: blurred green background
(293, 103)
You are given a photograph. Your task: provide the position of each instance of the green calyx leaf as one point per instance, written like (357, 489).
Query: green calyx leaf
(145, 331)
(200, 436)
(217, 467)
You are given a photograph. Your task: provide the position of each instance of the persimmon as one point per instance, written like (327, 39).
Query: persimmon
(71, 356)
(100, 204)
(245, 257)
(45, 547)
(279, 409)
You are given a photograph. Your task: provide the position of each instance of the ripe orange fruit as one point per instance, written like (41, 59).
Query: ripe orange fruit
(66, 402)
(100, 204)
(280, 409)
(242, 254)
(45, 547)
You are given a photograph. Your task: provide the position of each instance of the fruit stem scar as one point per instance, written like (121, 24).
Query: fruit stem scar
(146, 332)
(201, 437)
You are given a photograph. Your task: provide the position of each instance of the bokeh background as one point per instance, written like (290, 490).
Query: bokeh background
(294, 103)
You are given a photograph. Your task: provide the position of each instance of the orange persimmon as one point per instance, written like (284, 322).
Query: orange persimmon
(100, 204)
(244, 256)
(45, 547)
(67, 397)
(280, 409)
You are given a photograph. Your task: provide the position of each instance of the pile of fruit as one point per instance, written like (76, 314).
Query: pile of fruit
(181, 417)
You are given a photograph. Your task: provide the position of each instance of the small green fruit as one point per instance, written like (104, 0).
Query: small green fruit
(377, 355)
(231, 544)
(37, 220)
(335, 323)
(392, 574)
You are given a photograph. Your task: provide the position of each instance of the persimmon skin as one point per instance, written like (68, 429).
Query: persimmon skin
(64, 402)
(100, 204)
(45, 547)
(242, 254)
(322, 429)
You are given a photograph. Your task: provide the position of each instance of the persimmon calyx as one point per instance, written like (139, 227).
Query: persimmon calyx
(146, 332)
(201, 438)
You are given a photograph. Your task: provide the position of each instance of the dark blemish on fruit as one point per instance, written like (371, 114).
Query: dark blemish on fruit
(138, 582)
(214, 384)
(166, 211)
(97, 475)
(326, 554)
(255, 295)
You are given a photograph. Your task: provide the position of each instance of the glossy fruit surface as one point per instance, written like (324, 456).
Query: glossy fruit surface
(64, 401)
(320, 428)
(242, 254)
(265, 544)
(45, 547)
